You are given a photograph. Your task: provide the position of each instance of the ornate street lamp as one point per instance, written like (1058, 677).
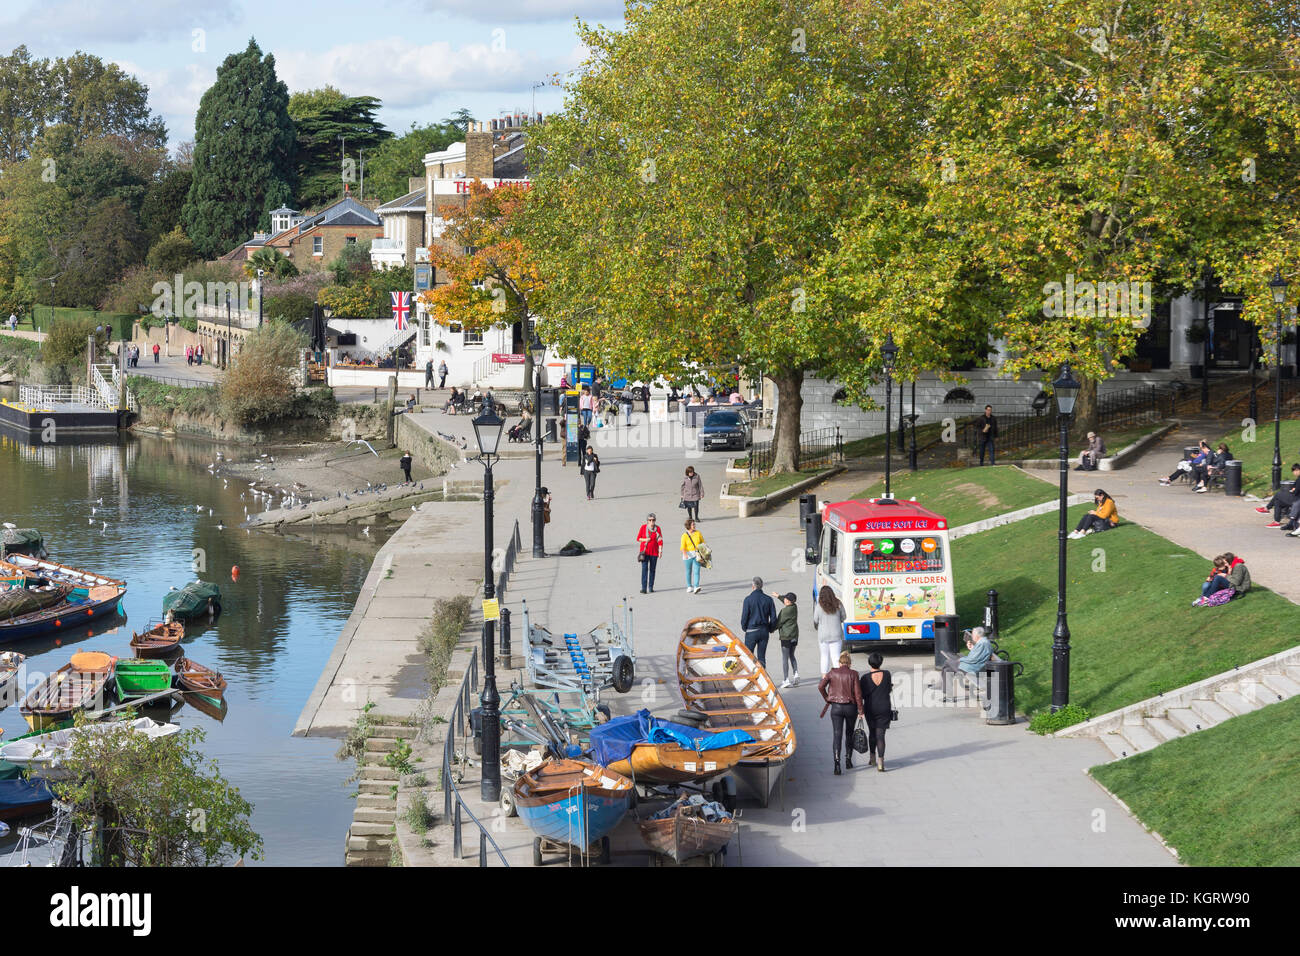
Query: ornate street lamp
(1066, 389)
(888, 353)
(1278, 287)
(487, 431)
(539, 493)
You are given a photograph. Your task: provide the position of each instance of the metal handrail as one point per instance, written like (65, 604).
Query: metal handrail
(458, 721)
(179, 382)
(512, 552)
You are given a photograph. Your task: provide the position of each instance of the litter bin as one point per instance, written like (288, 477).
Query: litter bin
(550, 435)
(812, 534)
(1232, 477)
(1190, 452)
(947, 636)
(476, 728)
(1001, 704)
(807, 506)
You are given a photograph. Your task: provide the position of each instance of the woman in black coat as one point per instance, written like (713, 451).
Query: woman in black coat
(876, 688)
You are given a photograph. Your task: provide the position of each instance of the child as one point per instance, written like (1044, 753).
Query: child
(787, 626)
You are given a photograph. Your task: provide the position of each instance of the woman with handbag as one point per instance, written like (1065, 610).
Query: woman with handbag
(692, 492)
(692, 542)
(842, 692)
(877, 685)
(650, 542)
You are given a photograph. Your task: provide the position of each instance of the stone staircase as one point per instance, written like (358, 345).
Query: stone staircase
(370, 838)
(1207, 703)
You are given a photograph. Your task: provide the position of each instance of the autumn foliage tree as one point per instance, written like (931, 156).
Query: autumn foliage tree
(497, 283)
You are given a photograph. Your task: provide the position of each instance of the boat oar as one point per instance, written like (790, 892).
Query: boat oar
(138, 702)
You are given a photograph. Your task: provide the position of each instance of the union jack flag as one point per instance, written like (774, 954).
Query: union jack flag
(401, 309)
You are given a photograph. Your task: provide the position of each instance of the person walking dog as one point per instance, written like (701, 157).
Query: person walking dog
(840, 687)
(650, 542)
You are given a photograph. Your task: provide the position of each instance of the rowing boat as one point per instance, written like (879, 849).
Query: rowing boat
(11, 663)
(651, 750)
(196, 678)
(690, 827)
(140, 678)
(46, 752)
(721, 678)
(196, 599)
(83, 604)
(571, 802)
(27, 541)
(61, 573)
(159, 640)
(24, 798)
(33, 597)
(61, 695)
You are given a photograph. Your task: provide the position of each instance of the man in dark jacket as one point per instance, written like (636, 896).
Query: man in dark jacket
(758, 620)
(988, 430)
(1283, 498)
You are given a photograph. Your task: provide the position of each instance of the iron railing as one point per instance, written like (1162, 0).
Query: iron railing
(1122, 407)
(169, 380)
(458, 724)
(818, 448)
(508, 562)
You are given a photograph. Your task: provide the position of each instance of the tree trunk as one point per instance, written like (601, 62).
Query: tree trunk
(529, 384)
(1086, 412)
(789, 408)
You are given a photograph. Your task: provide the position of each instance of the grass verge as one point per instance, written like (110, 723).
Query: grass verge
(1115, 441)
(771, 483)
(1133, 631)
(874, 447)
(1222, 797)
(1257, 456)
(963, 495)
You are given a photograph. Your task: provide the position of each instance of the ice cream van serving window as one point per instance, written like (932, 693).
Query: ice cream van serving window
(890, 555)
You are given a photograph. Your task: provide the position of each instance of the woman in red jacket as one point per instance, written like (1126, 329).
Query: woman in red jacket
(650, 542)
(842, 691)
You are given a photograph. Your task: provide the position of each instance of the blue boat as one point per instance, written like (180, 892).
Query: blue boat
(572, 804)
(24, 798)
(92, 596)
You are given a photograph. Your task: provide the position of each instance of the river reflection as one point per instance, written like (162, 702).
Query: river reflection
(139, 510)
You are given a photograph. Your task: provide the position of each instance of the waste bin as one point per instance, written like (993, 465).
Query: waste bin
(550, 435)
(1190, 452)
(476, 728)
(550, 401)
(807, 506)
(947, 636)
(812, 534)
(1001, 703)
(1232, 477)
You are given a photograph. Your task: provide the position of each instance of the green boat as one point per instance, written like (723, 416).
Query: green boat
(139, 678)
(196, 599)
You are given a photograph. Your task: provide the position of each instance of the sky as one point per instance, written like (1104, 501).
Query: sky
(423, 58)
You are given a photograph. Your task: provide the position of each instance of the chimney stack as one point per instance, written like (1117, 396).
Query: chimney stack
(478, 152)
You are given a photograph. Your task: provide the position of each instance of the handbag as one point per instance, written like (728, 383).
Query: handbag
(683, 504)
(861, 744)
(706, 556)
(640, 557)
(893, 716)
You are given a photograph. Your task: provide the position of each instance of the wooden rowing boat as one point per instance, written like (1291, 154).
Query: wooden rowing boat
(61, 695)
(652, 750)
(721, 678)
(11, 663)
(80, 607)
(196, 678)
(681, 832)
(61, 573)
(24, 798)
(33, 597)
(573, 802)
(159, 640)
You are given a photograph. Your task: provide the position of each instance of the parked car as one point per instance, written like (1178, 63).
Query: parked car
(726, 429)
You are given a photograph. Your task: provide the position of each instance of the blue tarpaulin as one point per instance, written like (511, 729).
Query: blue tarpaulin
(613, 741)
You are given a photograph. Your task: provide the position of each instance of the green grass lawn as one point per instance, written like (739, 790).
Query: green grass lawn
(963, 495)
(1133, 631)
(1115, 441)
(1226, 796)
(770, 483)
(1257, 456)
(874, 447)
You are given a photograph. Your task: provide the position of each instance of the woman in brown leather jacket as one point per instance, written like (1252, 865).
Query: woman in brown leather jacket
(841, 690)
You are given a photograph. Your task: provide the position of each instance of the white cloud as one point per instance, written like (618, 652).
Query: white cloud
(527, 11)
(71, 22)
(403, 74)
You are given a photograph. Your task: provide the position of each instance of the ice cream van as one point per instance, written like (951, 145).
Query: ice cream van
(889, 562)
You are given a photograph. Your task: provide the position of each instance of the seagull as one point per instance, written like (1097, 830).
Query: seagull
(100, 502)
(366, 530)
(91, 521)
(93, 510)
(104, 526)
(209, 512)
(198, 507)
(347, 497)
(220, 526)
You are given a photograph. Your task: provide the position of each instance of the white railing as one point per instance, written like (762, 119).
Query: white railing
(106, 379)
(35, 396)
(396, 339)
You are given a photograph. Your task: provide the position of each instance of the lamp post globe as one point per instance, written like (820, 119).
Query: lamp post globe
(1066, 388)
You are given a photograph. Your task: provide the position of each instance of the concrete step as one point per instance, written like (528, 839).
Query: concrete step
(385, 815)
(1293, 672)
(369, 828)
(1210, 712)
(367, 858)
(1235, 703)
(382, 788)
(1117, 745)
(394, 730)
(1140, 738)
(361, 844)
(381, 744)
(1281, 685)
(1186, 719)
(1163, 728)
(1257, 692)
(381, 801)
(371, 774)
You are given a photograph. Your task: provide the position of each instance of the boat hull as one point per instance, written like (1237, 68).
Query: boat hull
(140, 678)
(24, 798)
(195, 678)
(683, 837)
(670, 763)
(572, 801)
(60, 696)
(64, 616)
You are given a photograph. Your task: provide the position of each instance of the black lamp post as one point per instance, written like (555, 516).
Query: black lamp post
(888, 352)
(1278, 286)
(225, 352)
(259, 298)
(1066, 388)
(1254, 361)
(487, 431)
(912, 421)
(539, 495)
(1205, 344)
(901, 433)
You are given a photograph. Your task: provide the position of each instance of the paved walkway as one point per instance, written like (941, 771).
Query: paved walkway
(1208, 524)
(957, 792)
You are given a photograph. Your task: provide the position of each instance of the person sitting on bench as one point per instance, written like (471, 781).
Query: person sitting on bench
(1215, 464)
(1188, 466)
(1094, 453)
(1282, 500)
(979, 650)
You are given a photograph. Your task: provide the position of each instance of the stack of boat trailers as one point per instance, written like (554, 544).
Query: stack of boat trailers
(680, 778)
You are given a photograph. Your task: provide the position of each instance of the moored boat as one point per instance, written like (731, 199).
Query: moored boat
(572, 802)
(140, 678)
(81, 606)
(159, 640)
(199, 679)
(26, 541)
(33, 597)
(651, 750)
(689, 827)
(45, 752)
(24, 798)
(61, 695)
(61, 573)
(11, 662)
(197, 599)
(720, 678)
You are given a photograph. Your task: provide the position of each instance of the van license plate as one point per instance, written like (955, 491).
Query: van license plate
(898, 629)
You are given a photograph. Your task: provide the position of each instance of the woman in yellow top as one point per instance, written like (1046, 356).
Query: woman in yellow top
(1101, 518)
(691, 541)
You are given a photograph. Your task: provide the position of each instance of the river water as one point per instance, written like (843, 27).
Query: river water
(280, 619)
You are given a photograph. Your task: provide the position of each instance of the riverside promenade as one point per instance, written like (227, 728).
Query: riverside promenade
(956, 792)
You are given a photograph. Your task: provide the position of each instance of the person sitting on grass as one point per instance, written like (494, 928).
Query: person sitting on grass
(1101, 518)
(1189, 466)
(1231, 581)
(1282, 499)
(1217, 579)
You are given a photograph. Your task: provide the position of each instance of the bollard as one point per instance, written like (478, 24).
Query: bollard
(991, 615)
(947, 636)
(505, 634)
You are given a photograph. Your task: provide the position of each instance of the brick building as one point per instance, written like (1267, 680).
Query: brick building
(313, 240)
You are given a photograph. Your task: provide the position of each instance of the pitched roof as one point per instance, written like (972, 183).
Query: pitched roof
(413, 201)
